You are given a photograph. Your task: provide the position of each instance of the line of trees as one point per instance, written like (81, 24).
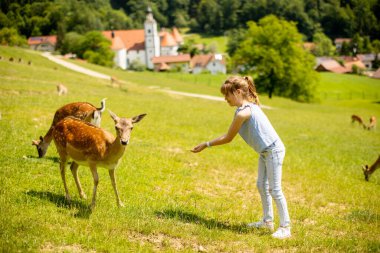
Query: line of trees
(336, 18)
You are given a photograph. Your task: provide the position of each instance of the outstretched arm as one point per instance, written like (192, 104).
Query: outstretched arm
(230, 135)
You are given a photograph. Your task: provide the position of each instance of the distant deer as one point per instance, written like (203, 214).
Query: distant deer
(116, 82)
(92, 146)
(369, 170)
(357, 119)
(372, 123)
(11, 59)
(82, 110)
(29, 62)
(61, 89)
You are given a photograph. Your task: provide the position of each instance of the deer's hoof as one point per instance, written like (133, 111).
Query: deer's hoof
(83, 195)
(120, 204)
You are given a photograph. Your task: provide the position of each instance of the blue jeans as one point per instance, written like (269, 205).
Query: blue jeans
(269, 183)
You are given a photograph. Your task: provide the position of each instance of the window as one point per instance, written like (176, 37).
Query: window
(148, 30)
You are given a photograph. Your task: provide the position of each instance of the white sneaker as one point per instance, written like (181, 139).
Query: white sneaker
(262, 224)
(282, 233)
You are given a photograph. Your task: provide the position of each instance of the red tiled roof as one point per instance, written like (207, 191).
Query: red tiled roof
(332, 66)
(171, 58)
(309, 46)
(203, 59)
(117, 44)
(341, 40)
(132, 39)
(167, 40)
(376, 74)
(176, 35)
(163, 66)
(52, 39)
(358, 64)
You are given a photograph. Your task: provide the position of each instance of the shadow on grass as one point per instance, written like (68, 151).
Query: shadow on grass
(51, 158)
(208, 223)
(363, 215)
(84, 211)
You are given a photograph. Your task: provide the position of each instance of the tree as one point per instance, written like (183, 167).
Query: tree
(376, 50)
(10, 37)
(323, 45)
(96, 49)
(272, 50)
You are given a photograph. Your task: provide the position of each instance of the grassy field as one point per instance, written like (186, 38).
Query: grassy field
(219, 43)
(176, 200)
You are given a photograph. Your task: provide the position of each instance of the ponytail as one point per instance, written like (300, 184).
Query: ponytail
(252, 89)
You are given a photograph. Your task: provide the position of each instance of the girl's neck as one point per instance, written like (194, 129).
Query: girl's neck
(243, 103)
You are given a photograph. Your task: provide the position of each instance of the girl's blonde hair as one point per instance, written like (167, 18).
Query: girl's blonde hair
(245, 84)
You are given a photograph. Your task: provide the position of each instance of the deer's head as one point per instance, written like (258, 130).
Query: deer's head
(124, 126)
(365, 171)
(41, 146)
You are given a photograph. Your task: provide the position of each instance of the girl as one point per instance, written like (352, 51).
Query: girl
(255, 128)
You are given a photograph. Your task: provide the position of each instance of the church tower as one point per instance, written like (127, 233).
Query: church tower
(152, 39)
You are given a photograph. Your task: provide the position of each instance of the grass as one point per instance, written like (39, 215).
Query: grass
(176, 200)
(219, 43)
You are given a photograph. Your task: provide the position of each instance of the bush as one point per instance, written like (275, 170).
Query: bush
(10, 37)
(137, 65)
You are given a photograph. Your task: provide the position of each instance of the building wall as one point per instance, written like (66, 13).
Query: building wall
(119, 59)
(216, 67)
(169, 50)
(133, 55)
(43, 47)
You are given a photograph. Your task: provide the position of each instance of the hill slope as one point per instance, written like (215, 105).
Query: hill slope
(176, 200)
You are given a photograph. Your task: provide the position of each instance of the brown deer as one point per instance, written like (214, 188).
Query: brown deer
(369, 170)
(82, 110)
(92, 146)
(115, 82)
(61, 89)
(372, 123)
(357, 119)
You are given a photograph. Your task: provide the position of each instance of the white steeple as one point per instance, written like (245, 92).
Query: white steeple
(152, 39)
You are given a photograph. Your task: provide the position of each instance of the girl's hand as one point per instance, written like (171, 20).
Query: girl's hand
(199, 148)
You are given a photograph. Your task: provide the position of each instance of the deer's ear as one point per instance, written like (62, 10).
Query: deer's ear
(114, 116)
(138, 118)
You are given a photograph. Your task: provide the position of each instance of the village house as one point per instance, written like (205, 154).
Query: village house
(330, 65)
(156, 50)
(172, 62)
(376, 74)
(143, 45)
(213, 63)
(339, 43)
(43, 43)
(367, 59)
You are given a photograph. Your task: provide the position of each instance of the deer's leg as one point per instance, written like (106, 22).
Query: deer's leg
(112, 176)
(96, 181)
(62, 167)
(74, 169)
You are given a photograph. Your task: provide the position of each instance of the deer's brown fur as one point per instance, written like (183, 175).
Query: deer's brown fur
(92, 146)
(372, 123)
(368, 170)
(82, 110)
(61, 89)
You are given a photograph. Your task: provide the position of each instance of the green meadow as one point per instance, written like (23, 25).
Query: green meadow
(177, 201)
(218, 43)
